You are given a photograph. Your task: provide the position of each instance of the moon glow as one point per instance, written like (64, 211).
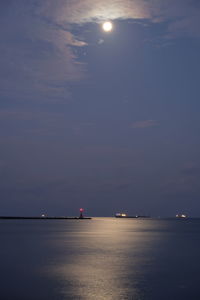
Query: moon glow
(107, 26)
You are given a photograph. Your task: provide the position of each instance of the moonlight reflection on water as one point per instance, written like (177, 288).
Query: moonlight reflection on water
(107, 260)
(102, 258)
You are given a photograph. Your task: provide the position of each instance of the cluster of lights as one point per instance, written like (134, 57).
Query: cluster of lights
(121, 215)
(181, 216)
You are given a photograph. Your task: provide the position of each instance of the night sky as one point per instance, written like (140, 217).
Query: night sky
(108, 121)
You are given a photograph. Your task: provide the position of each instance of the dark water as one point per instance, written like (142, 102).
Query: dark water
(103, 258)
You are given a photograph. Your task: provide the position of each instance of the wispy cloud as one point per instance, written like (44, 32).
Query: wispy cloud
(37, 60)
(101, 41)
(181, 15)
(82, 11)
(184, 182)
(144, 124)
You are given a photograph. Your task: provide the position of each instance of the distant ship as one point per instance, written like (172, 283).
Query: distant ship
(181, 216)
(122, 215)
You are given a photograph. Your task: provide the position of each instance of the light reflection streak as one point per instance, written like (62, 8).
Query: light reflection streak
(101, 257)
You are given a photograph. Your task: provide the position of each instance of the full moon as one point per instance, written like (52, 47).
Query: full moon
(107, 26)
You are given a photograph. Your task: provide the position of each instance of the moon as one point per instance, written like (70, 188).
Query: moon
(107, 26)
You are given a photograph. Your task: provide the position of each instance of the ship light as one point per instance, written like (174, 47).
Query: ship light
(183, 216)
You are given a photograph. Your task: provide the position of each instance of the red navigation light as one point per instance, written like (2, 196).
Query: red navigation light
(81, 210)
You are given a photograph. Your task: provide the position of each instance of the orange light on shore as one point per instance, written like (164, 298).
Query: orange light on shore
(123, 215)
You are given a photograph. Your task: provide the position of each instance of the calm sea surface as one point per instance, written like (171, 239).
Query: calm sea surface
(102, 258)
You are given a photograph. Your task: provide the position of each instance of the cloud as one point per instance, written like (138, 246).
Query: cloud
(82, 11)
(37, 61)
(191, 169)
(101, 41)
(183, 181)
(37, 39)
(145, 124)
(182, 16)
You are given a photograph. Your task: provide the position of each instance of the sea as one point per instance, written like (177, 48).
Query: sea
(102, 258)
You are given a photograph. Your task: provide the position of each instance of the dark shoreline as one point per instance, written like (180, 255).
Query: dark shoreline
(43, 218)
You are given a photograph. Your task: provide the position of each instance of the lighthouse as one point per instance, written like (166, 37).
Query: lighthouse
(81, 213)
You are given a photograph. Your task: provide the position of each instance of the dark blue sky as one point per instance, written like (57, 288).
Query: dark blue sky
(107, 121)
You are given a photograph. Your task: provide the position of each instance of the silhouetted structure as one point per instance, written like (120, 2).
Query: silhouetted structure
(81, 213)
(45, 217)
